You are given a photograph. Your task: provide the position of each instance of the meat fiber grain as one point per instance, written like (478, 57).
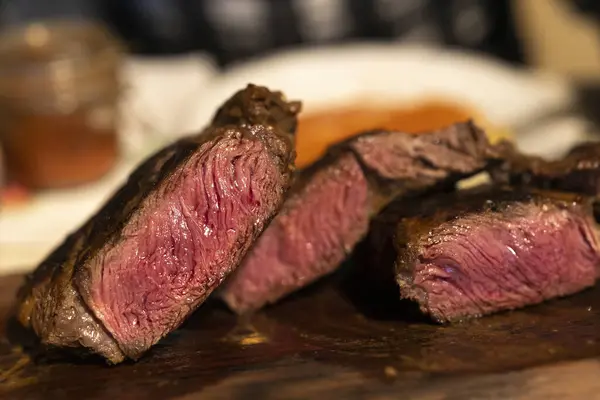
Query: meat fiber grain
(178, 227)
(329, 210)
(474, 253)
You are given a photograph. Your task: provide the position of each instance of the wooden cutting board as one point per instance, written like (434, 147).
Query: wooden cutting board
(326, 344)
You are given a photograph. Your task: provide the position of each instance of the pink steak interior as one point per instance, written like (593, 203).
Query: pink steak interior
(308, 239)
(186, 239)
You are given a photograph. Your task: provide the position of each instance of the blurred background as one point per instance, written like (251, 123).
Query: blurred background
(88, 88)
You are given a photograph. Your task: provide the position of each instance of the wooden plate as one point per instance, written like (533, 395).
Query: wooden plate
(323, 343)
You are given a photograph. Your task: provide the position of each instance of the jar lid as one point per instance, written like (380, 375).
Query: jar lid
(52, 58)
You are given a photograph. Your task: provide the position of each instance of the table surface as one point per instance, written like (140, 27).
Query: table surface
(328, 342)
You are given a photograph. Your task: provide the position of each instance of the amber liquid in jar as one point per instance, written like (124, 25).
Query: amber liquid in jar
(58, 150)
(58, 105)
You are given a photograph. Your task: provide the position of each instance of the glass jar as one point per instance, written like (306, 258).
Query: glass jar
(59, 92)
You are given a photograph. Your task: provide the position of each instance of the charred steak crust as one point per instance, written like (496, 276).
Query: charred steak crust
(331, 203)
(60, 300)
(399, 164)
(475, 252)
(577, 172)
(49, 302)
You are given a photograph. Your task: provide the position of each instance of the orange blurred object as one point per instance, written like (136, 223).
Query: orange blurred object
(59, 92)
(318, 131)
(14, 195)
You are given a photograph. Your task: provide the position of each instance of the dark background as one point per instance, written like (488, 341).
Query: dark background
(233, 30)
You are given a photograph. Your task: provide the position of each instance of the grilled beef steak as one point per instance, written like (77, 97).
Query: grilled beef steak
(578, 172)
(169, 236)
(331, 205)
(476, 252)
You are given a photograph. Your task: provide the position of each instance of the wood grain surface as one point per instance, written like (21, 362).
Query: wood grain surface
(325, 343)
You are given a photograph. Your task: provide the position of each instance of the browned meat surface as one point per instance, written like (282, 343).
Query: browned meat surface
(473, 253)
(578, 172)
(167, 238)
(330, 208)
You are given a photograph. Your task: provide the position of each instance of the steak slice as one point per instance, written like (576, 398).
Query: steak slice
(169, 236)
(578, 172)
(477, 252)
(332, 203)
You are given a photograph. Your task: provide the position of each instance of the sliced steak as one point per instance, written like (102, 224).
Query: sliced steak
(169, 236)
(332, 203)
(476, 252)
(578, 172)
